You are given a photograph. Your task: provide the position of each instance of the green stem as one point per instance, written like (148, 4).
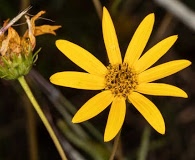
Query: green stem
(114, 6)
(115, 146)
(42, 116)
(144, 146)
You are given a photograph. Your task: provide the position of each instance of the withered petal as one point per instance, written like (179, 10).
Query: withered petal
(46, 29)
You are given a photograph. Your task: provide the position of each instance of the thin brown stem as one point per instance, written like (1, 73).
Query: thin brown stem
(115, 146)
(98, 8)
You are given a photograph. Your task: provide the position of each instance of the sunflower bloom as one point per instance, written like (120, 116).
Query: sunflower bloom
(121, 80)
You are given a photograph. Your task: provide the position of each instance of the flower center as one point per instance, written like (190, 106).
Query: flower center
(121, 79)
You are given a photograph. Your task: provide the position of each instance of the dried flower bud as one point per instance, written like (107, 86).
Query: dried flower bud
(16, 53)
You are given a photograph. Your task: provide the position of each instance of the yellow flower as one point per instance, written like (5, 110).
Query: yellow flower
(121, 80)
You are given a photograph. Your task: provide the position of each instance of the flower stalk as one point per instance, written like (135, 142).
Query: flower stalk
(115, 146)
(145, 142)
(35, 104)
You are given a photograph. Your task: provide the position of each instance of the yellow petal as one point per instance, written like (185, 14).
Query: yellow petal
(154, 54)
(139, 40)
(93, 106)
(162, 70)
(148, 110)
(81, 57)
(161, 89)
(110, 39)
(78, 80)
(115, 119)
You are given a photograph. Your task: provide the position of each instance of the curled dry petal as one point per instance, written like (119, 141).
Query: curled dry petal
(32, 22)
(45, 29)
(38, 30)
(30, 32)
(14, 46)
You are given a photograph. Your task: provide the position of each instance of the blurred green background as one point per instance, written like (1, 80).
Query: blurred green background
(81, 25)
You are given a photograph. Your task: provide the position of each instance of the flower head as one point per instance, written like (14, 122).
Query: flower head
(16, 53)
(121, 80)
